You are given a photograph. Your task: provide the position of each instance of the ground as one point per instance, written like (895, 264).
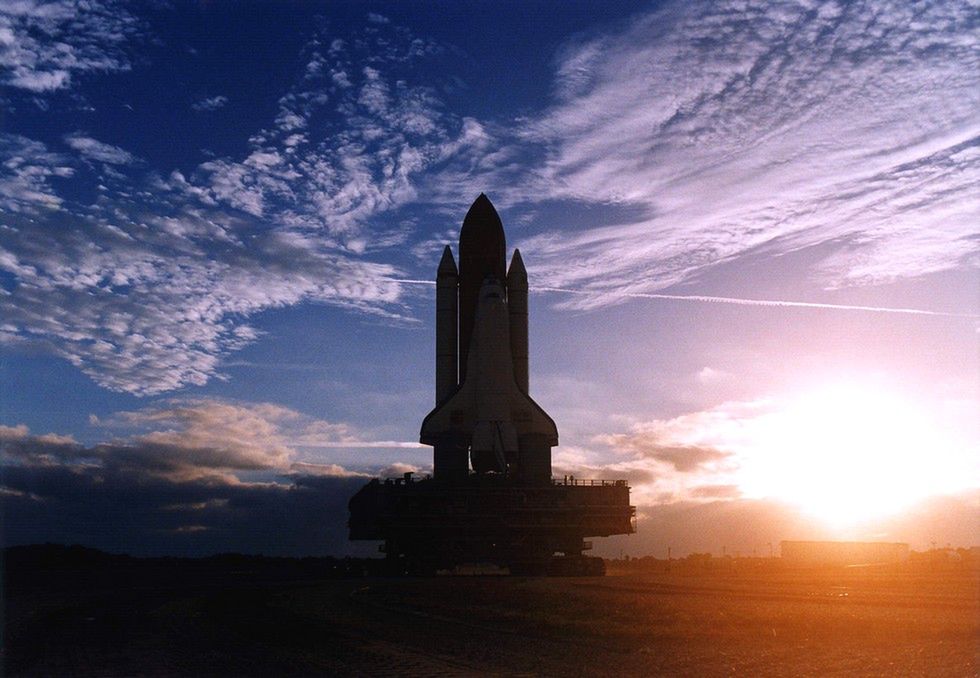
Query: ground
(754, 619)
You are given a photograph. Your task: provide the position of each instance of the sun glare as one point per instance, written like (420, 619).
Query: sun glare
(849, 453)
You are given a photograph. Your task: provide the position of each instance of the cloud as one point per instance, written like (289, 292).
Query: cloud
(203, 439)
(717, 491)
(685, 443)
(192, 438)
(111, 509)
(196, 437)
(703, 133)
(670, 460)
(18, 445)
(584, 463)
(738, 127)
(305, 468)
(210, 103)
(183, 476)
(684, 458)
(43, 45)
(149, 310)
(150, 287)
(709, 375)
(592, 298)
(165, 293)
(840, 451)
(339, 181)
(96, 150)
(27, 172)
(8, 433)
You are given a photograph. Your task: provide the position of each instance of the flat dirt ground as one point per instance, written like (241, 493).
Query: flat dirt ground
(760, 621)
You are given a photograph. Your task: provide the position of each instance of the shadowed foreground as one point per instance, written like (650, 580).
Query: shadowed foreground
(239, 617)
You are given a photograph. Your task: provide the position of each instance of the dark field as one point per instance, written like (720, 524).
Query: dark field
(259, 619)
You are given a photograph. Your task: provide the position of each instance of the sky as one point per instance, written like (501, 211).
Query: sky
(750, 228)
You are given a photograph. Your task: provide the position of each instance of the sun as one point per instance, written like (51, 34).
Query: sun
(849, 453)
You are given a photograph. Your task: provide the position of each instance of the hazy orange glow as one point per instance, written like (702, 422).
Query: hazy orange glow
(849, 452)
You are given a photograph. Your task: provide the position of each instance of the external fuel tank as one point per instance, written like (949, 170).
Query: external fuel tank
(482, 253)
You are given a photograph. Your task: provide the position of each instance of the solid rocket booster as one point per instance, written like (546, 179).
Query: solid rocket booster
(517, 310)
(447, 374)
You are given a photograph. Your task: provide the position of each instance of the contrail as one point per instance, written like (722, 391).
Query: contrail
(370, 444)
(738, 301)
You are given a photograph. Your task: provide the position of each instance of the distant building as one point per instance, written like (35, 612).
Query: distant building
(843, 552)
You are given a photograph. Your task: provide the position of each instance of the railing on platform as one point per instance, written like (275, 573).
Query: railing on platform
(587, 482)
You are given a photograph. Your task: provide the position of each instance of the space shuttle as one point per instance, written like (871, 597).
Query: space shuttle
(484, 418)
(491, 497)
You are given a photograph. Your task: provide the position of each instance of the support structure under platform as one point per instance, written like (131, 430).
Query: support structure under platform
(427, 525)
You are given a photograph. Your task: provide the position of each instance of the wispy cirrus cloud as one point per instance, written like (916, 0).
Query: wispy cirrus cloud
(352, 140)
(210, 103)
(27, 172)
(93, 149)
(740, 126)
(44, 44)
(719, 130)
(165, 295)
(152, 285)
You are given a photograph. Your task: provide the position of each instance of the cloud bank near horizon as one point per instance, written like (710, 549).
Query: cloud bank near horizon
(172, 487)
(864, 442)
(205, 439)
(188, 477)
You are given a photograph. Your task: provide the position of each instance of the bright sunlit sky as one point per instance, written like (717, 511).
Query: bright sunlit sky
(212, 215)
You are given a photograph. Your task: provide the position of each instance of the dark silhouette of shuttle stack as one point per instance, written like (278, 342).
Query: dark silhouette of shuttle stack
(491, 498)
(483, 413)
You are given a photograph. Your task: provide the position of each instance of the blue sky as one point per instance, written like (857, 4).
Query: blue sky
(743, 222)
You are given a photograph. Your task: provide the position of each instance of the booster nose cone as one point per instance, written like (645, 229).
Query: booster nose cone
(447, 265)
(517, 275)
